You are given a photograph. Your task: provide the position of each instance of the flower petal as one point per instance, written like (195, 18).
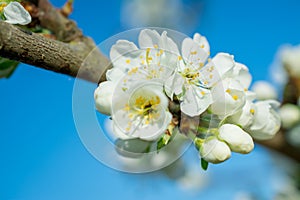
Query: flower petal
(195, 101)
(173, 85)
(125, 55)
(241, 74)
(148, 39)
(193, 54)
(15, 13)
(223, 63)
(202, 41)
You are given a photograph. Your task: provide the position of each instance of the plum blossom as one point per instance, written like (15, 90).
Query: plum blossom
(142, 112)
(266, 121)
(149, 77)
(195, 74)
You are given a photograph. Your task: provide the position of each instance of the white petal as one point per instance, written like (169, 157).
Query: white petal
(195, 101)
(214, 151)
(103, 97)
(241, 74)
(193, 54)
(114, 74)
(156, 130)
(125, 55)
(168, 44)
(15, 13)
(245, 116)
(202, 41)
(148, 38)
(228, 97)
(118, 133)
(266, 121)
(262, 113)
(174, 85)
(223, 63)
(238, 140)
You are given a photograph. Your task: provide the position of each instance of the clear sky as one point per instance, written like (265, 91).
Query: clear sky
(42, 157)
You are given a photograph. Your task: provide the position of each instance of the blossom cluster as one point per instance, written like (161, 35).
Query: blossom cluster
(14, 13)
(146, 78)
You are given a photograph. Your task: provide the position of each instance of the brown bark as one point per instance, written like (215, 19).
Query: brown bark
(57, 56)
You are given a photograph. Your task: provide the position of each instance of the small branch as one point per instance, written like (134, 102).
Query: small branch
(279, 144)
(52, 55)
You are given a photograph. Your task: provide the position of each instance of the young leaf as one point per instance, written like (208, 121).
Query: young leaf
(204, 164)
(7, 67)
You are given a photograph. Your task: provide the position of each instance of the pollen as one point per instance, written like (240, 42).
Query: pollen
(245, 89)
(193, 52)
(228, 91)
(210, 76)
(179, 58)
(133, 71)
(203, 93)
(201, 64)
(202, 46)
(235, 97)
(155, 46)
(252, 111)
(126, 108)
(127, 61)
(2, 5)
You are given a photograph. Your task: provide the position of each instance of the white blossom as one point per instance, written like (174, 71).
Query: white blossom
(142, 112)
(15, 13)
(266, 121)
(195, 74)
(290, 115)
(237, 139)
(231, 92)
(290, 57)
(214, 151)
(264, 90)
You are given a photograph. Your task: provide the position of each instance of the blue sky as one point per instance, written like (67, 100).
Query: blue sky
(42, 156)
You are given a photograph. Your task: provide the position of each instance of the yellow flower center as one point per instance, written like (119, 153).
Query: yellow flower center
(143, 109)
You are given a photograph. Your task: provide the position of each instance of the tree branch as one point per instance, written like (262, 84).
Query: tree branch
(69, 54)
(51, 54)
(279, 144)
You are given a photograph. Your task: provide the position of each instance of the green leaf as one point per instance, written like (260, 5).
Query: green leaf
(204, 164)
(163, 141)
(7, 67)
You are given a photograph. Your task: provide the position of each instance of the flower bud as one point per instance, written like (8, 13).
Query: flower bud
(237, 139)
(103, 97)
(214, 151)
(290, 115)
